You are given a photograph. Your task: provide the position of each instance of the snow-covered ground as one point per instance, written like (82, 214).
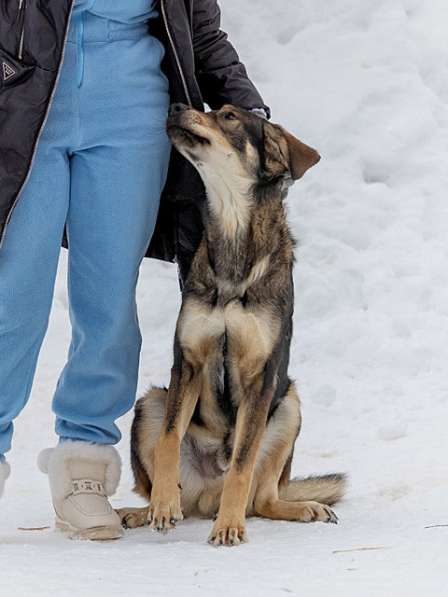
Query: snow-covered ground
(367, 84)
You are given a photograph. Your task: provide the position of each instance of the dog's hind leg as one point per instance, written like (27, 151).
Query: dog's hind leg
(132, 518)
(270, 486)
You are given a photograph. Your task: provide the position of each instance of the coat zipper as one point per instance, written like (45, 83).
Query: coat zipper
(176, 55)
(8, 219)
(22, 7)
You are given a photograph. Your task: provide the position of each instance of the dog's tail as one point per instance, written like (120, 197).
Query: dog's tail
(326, 489)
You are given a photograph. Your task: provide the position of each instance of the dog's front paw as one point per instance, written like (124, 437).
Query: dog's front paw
(228, 532)
(164, 510)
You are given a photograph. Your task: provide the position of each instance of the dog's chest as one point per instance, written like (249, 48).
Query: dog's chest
(228, 344)
(244, 332)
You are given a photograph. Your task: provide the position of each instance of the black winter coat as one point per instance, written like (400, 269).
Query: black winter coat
(202, 67)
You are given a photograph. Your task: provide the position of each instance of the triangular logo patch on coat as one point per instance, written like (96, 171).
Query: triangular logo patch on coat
(8, 71)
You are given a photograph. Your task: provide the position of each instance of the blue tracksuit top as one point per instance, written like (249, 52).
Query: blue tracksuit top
(123, 11)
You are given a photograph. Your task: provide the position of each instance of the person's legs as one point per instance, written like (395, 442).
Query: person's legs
(117, 176)
(28, 264)
(111, 219)
(118, 166)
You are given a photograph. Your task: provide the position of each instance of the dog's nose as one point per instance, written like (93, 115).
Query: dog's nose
(176, 108)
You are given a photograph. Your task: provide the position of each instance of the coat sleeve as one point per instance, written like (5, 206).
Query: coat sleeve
(222, 77)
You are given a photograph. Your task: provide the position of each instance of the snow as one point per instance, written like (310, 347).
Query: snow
(367, 84)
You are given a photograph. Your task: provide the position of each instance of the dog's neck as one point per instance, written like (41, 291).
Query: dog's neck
(229, 201)
(242, 228)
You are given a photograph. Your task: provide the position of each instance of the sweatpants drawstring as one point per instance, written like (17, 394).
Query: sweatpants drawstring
(80, 49)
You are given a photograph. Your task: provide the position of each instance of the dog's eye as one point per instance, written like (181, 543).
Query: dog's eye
(229, 116)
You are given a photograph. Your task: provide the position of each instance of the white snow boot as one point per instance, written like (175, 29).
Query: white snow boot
(82, 476)
(4, 474)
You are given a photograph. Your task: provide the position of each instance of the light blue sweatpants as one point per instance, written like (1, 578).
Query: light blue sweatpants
(100, 166)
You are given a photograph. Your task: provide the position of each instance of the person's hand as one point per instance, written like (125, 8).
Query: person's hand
(260, 112)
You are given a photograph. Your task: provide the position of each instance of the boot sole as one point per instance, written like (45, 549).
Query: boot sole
(104, 533)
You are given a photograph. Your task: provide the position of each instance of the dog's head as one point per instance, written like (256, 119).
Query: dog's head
(236, 141)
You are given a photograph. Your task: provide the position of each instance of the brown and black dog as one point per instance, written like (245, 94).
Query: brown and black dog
(219, 442)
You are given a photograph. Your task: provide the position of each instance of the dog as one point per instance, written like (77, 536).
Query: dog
(218, 443)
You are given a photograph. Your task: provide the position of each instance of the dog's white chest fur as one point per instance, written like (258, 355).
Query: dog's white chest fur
(229, 198)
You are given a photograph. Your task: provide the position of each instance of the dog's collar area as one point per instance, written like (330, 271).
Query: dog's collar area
(287, 181)
(284, 180)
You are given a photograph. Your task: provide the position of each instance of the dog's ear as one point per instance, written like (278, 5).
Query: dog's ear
(302, 157)
(285, 154)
